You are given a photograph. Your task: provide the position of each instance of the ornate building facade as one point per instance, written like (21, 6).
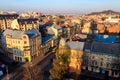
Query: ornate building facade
(21, 45)
(103, 58)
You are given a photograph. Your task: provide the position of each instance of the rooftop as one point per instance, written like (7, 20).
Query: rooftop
(46, 38)
(76, 45)
(106, 48)
(106, 38)
(28, 20)
(57, 27)
(50, 31)
(8, 15)
(32, 33)
(17, 34)
(87, 45)
(13, 33)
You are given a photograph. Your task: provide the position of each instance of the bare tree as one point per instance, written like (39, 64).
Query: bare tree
(32, 72)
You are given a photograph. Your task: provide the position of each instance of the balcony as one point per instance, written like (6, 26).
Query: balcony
(26, 46)
(26, 49)
(96, 66)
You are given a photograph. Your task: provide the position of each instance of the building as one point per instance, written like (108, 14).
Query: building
(11, 21)
(8, 21)
(27, 24)
(93, 27)
(114, 29)
(62, 46)
(57, 30)
(102, 58)
(49, 44)
(90, 28)
(64, 32)
(21, 46)
(1, 50)
(76, 52)
(76, 49)
(75, 20)
(112, 20)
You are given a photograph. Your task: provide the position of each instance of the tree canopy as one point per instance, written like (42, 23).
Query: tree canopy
(60, 65)
(58, 21)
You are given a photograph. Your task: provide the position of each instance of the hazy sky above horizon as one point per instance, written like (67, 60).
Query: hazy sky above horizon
(59, 6)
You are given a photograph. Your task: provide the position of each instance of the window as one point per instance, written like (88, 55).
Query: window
(14, 51)
(101, 58)
(92, 62)
(25, 42)
(108, 59)
(116, 73)
(101, 64)
(17, 52)
(18, 42)
(20, 59)
(86, 62)
(21, 52)
(107, 65)
(95, 63)
(15, 58)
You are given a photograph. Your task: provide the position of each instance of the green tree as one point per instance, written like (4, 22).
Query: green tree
(103, 18)
(58, 21)
(60, 68)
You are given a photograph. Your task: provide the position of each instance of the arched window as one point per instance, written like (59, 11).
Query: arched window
(25, 42)
(107, 65)
(101, 64)
(24, 37)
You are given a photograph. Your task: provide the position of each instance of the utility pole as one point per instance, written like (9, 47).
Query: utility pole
(7, 72)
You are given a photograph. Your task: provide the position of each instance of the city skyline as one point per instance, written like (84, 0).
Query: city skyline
(61, 6)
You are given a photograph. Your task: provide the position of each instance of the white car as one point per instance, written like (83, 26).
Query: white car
(1, 72)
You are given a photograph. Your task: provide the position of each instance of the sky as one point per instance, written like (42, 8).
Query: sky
(60, 6)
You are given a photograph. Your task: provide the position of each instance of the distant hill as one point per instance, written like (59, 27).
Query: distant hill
(104, 12)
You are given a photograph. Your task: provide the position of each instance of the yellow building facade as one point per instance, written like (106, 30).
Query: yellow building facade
(75, 60)
(76, 53)
(21, 46)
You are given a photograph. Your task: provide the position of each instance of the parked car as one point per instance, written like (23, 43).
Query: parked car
(1, 73)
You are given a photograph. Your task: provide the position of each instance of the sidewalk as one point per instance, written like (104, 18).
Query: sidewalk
(93, 74)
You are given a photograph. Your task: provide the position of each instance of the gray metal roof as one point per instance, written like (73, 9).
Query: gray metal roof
(108, 48)
(32, 33)
(76, 45)
(87, 45)
(50, 31)
(13, 33)
(57, 27)
(17, 34)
